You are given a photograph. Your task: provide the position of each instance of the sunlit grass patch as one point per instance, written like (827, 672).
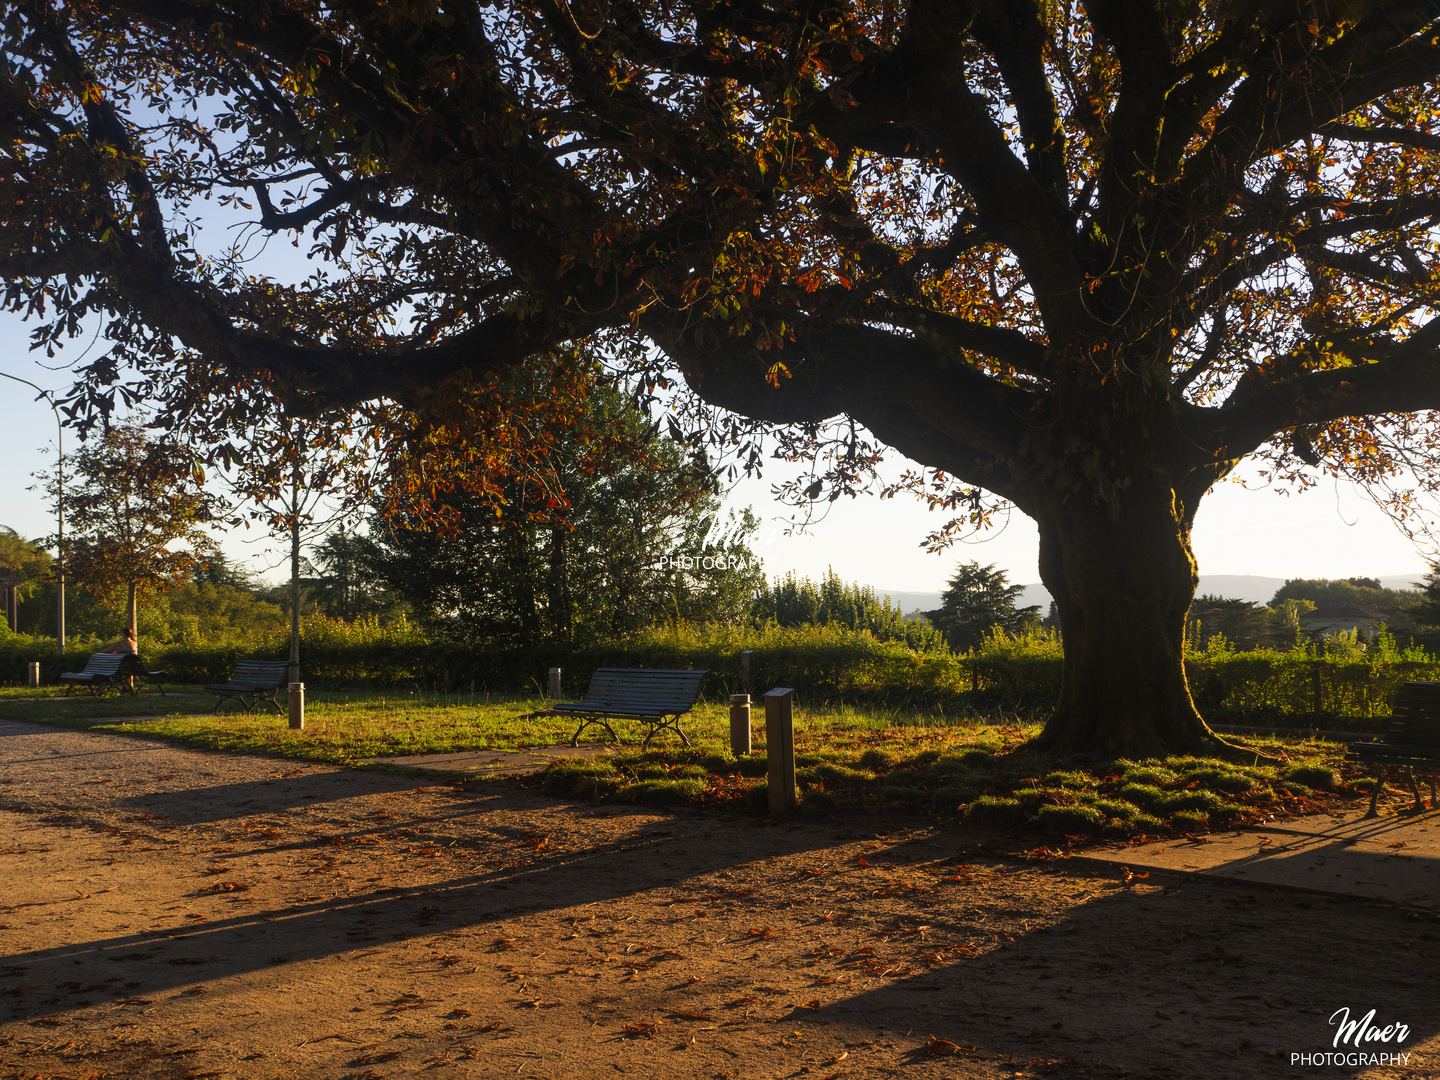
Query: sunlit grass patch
(849, 760)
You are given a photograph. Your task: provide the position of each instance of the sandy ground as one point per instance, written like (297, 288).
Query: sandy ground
(174, 913)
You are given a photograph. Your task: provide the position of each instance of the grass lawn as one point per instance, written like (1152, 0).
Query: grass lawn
(848, 758)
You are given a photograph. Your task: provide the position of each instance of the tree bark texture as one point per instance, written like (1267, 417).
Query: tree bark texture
(1122, 581)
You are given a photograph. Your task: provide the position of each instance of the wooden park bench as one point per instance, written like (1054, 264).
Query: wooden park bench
(112, 671)
(636, 694)
(251, 681)
(1411, 740)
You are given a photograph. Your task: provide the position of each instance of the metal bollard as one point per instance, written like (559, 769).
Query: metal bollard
(780, 748)
(34, 672)
(740, 725)
(297, 706)
(555, 683)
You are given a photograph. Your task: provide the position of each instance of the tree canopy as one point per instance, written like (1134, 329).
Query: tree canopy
(138, 515)
(1083, 256)
(614, 536)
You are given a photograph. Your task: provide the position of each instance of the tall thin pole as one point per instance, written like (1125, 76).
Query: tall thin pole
(295, 567)
(59, 511)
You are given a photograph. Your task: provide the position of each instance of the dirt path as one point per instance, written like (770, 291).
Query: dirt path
(173, 913)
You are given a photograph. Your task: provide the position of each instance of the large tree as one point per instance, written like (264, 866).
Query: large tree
(1084, 256)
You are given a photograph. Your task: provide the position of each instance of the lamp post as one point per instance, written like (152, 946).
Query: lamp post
(59, 511)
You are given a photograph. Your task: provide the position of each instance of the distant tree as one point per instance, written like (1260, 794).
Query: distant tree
(797, 601)
(139, 516)
(1424, 610)
(1363, 592)
(339, 580)
(219, 570)
(979, 599)
(31, 561)
(1243, 624)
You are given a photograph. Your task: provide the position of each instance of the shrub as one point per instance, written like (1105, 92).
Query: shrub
(819, 802)
(1146, 823)
(596, 787)
(953, 795)
(1145, 795)
(1229, 781)
(992, 812)
(903, 793)
(663, 792)
(1319, 777)
(1070, 819)
(908, 775)
(1116, 808)
(1194, 799)
(1189, 819)
(832, 775)
(563, 777)
(1153, 775)
(875, 760)
(754, 765)
(1076, 781)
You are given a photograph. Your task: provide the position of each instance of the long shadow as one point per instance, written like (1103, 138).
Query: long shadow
(1140, 984)
(222, 802)
(155, 960)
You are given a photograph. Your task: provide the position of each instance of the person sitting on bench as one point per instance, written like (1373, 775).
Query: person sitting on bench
(126, 644)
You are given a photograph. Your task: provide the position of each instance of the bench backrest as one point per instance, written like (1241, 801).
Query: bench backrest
(643, 690)
(267, 672)
(104, 663)
(1415, 716)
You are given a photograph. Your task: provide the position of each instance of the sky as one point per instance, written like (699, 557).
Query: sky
(1330, 531)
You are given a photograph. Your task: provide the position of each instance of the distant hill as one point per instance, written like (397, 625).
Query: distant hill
(1257, 590)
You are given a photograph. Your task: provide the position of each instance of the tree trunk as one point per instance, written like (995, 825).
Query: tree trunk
(1122, 578)
(559, 585)
(132, 614)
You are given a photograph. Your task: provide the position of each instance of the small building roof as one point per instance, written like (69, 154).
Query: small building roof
(1343, 611)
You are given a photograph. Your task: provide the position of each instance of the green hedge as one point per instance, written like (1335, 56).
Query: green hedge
(823, 664)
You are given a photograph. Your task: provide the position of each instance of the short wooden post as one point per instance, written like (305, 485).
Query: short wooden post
(34, 672)
(780, 748)
(555, 683)
(745, 657)
(740, 725)
(297, 706)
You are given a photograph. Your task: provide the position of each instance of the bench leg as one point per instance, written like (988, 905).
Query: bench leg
(575, 739)
(1415, 790)
(674, 725)
(1375, 794)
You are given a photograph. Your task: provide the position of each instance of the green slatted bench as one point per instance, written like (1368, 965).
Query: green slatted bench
(1411, 741)
(111, 670)
(250, 682)
(640, 694)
